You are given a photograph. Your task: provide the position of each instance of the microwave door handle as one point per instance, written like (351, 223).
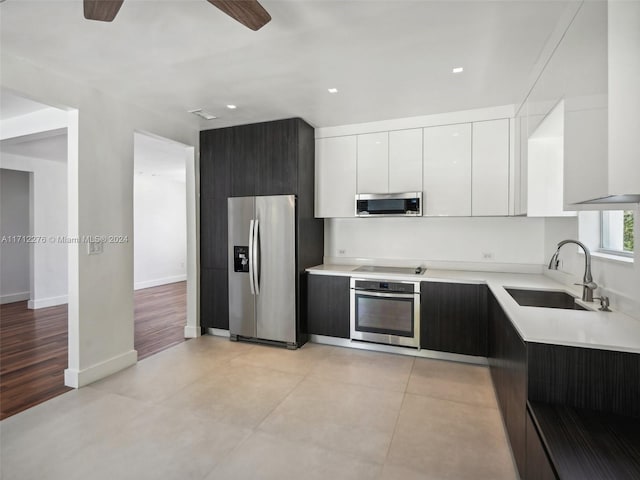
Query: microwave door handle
(251, 267)
(256, 257)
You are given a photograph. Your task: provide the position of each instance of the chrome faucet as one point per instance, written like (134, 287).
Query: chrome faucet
(588, 285)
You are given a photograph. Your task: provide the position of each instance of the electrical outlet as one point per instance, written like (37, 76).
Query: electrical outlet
(487, 255)
(342, 251)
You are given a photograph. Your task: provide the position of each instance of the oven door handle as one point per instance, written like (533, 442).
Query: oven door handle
(383, 294)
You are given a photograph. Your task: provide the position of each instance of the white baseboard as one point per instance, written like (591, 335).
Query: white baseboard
(14, 297)
(47, 302)
(159, 281)
(79, 378)
(191, 331)
(218, 332)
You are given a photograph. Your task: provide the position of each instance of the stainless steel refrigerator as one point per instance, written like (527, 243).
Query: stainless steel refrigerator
(262, 268)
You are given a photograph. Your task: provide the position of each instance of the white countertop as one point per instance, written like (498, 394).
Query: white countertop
(578, 328)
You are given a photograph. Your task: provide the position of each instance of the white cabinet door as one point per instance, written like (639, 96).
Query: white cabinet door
(405, 161)
(335, 177)
(447, 170)
(373, 163)
(490, 168)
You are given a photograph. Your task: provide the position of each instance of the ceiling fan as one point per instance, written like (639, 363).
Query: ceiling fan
(248, 12)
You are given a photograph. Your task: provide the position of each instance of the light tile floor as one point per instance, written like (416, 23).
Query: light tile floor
(212, 409)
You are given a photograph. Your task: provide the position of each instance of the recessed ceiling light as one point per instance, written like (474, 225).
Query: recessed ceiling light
(202, 114)
(231, 107)
(332, 90)
(458, 70)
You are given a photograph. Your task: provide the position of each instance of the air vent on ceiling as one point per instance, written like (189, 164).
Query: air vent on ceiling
(202, 114)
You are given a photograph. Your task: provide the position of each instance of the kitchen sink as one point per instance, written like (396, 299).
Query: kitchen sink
(541, 298)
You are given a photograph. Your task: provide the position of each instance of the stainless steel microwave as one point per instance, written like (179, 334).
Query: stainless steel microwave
(408, 204)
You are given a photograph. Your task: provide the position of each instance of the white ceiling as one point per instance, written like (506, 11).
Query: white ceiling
(388, 58)
(12, 105)
(50, 145)
(159, 158)
(47, 145)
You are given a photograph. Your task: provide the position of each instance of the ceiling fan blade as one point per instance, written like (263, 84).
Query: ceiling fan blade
(101, 10)
(248, 12)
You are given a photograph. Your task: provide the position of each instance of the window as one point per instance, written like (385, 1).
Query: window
(616, 232)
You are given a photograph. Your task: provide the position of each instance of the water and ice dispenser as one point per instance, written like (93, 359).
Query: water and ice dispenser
(240, 259)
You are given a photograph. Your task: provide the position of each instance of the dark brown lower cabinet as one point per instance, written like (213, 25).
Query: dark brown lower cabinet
(508, 362)
(328, 305)
(589, 378)
(538, 465)
(582, 401)
(453, 318)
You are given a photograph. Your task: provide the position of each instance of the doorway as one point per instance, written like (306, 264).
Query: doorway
(33, 253)
(160, 243)
(15, 226)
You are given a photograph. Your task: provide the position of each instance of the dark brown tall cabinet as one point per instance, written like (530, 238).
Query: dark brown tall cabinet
(271, 158)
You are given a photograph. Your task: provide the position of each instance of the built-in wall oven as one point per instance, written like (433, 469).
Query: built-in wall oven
(385, 312)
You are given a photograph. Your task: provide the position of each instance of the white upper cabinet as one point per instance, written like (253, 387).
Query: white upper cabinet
(335, 177)
(373, 163)
(447, 170)
(390, 162)
(624, 98)
(490, 168)
(448, 157)
(595, 69)
(545, 173)
(581, 60)
(405, 161)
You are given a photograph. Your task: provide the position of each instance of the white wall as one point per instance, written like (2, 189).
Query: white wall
(512, 244)
(617, 279)
(101, 132)
(14, 220)
(49, 219)
(160, 230)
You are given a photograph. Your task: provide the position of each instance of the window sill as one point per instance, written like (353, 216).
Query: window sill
(609, 257)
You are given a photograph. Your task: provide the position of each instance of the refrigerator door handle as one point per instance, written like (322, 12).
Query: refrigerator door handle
(251, 266)
(256, 257)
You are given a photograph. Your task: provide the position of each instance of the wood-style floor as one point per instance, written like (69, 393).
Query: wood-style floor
(160, 315)
(33, 343)
(33, 356)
